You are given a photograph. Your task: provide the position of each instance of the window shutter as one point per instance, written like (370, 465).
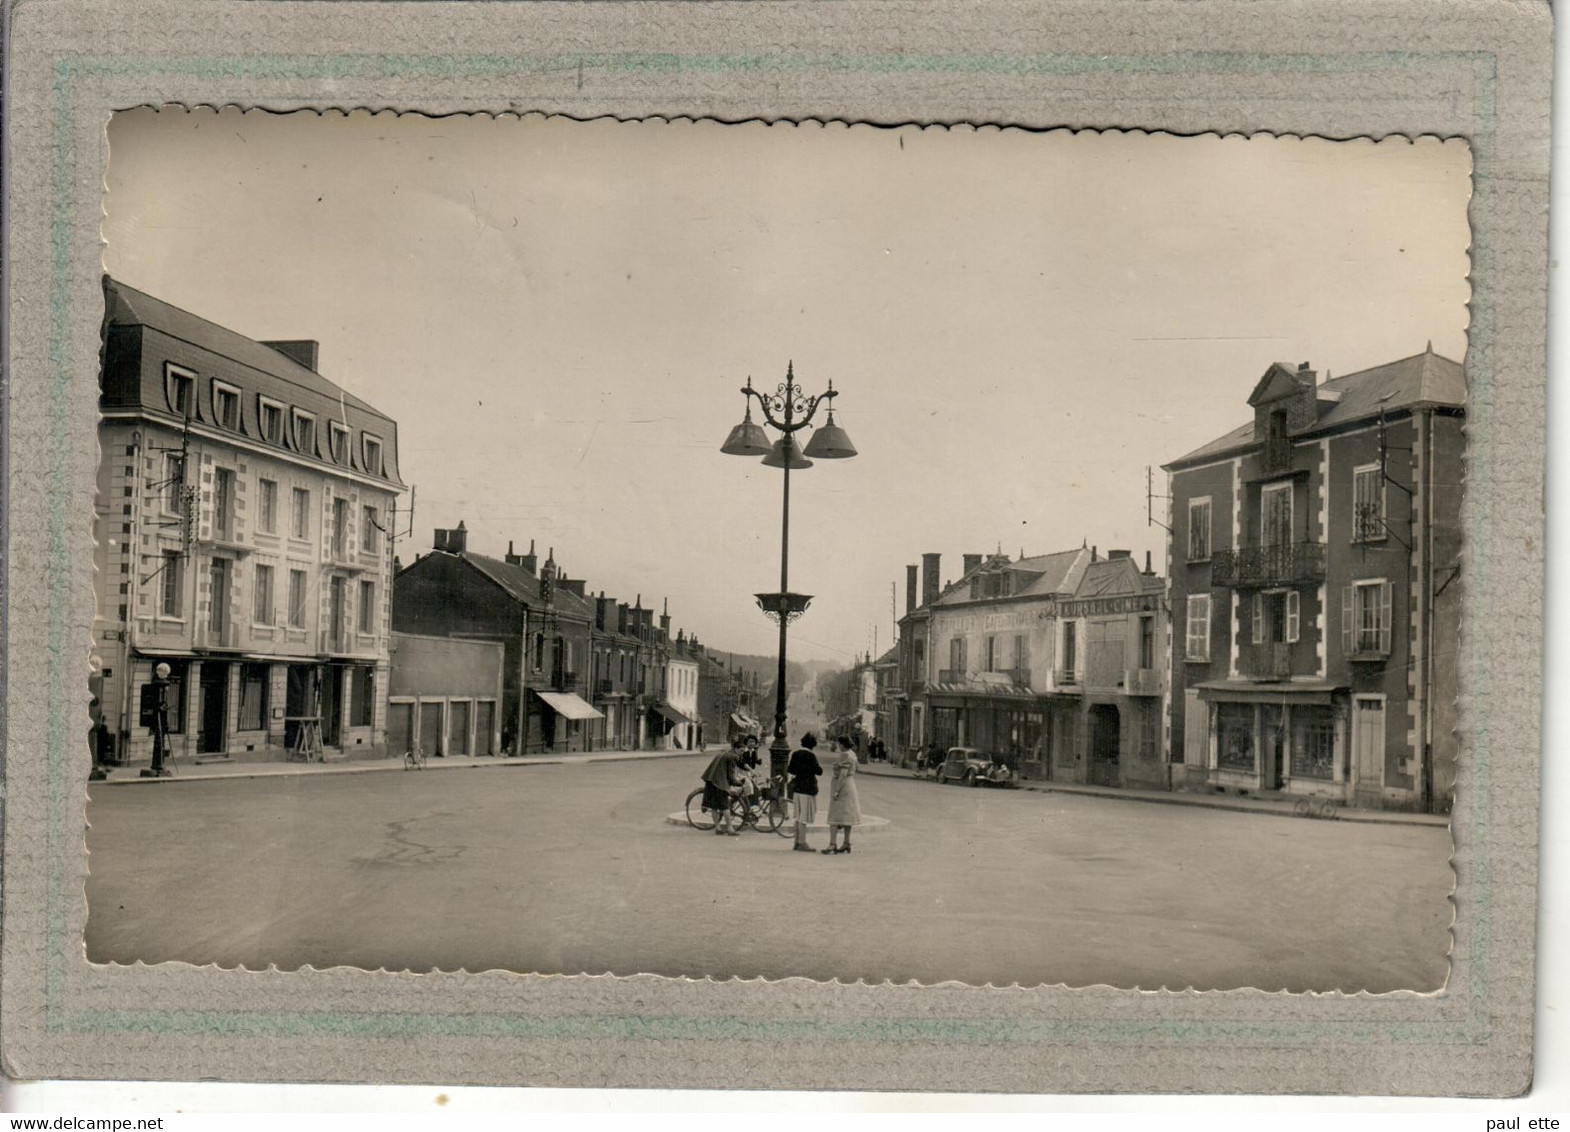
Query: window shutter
(1348, 627)
(1293, 611)
(1259, 619)
(1386, 593)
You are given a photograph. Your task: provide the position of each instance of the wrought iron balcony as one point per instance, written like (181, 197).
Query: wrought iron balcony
(1271, 661)
(1276, 455)
(1289, 564)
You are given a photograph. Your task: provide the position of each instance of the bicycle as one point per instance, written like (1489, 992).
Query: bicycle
(768, 808)
(414, 758)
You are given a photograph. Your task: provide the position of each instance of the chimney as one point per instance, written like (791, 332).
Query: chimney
(910, 588)
(1149, 573)
(929, 578)
(1115, 555)
(529, 561)
(574, 586)
(453, 541)
(971, 561)
(1094, 557)
(665, 618)
(623, 611)
(397, 566)
(302, 350)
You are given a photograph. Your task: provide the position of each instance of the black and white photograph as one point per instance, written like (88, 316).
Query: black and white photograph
(755, 551)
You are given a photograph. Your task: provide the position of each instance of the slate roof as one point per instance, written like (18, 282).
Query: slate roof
(134, 377)
(1422, 379)
(1115, 577)
(525, 587)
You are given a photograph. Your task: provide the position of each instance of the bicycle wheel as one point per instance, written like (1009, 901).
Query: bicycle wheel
(697, 816)
(774, 817)
(742, 815)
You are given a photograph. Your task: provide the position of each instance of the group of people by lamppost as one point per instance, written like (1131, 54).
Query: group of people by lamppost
(732, 774)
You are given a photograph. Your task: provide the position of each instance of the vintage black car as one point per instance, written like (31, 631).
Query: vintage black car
(971, 767)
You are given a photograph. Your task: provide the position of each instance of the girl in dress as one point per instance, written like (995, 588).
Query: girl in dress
(844, 806)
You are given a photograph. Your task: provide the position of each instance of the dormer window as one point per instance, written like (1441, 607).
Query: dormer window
(180, 389)
(371, 452)
(338, 442)
(269, 416)
(226, 406)
(304, 432)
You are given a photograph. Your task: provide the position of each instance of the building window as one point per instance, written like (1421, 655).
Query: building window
(539, 651)
(1196, 639)
(226, 406)
(957, 658)
(174, 483)
(367, 607)
(1021, 658)
(368, 530)
(1276, 505)
(218, 597)
(1313, 742)
(267, 506)
(223, 503)
(992, 654)
(1366, 618)
(340, 528)
(338, 442)
(269, 416)
(1368, 504)
(296, 599)
(1199, 530)
(171, 589)
(300, 514)
(1294, 616)
(304, 432)
(371, 453)
(362, 696)
(1235, 735)
(262, 605)
(180, 389)
(1070, 651)
(1147, 642)
(253, 697)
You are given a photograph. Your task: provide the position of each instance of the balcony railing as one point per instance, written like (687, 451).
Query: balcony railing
(564, 681)
(1271, 661)
(1068, 676)
(1276, 456)
(1142, 682)
(1289, 564)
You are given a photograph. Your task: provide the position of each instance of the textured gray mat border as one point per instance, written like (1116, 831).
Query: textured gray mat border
(1478, 70)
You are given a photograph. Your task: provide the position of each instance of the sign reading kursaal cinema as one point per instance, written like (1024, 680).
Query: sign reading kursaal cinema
(1100, 606)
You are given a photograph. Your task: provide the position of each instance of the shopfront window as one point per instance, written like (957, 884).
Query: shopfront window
(1313, 742)
(1235, 732)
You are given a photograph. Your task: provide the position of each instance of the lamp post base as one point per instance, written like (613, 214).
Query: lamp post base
(779, 756)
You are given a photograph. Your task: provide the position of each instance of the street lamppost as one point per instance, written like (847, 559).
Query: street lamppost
(789, 410)
(160, 721)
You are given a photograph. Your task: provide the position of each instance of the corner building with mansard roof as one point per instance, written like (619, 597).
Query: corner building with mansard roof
(1314, 585)
(244, 509)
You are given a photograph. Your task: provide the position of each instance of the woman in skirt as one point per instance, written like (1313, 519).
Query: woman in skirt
(844, 806)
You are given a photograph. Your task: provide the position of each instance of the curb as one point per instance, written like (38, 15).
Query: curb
(868, 824)
(1214, 802)
(314, 769)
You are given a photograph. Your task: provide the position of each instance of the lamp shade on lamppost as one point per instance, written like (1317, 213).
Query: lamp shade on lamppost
(830, 442)
(783, 447)
(747, 439)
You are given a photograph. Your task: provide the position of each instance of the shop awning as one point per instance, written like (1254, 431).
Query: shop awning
(1249, 692)
(569, 706)
(672, 714)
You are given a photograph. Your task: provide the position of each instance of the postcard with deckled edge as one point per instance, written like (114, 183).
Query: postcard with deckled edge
(277, 624)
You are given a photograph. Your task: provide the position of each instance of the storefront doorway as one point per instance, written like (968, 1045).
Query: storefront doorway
(1105, 742)
(212, 721)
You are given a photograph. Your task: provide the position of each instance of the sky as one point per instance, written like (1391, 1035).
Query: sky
(560, 315)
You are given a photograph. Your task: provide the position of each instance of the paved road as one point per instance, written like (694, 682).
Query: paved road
(574, 869)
